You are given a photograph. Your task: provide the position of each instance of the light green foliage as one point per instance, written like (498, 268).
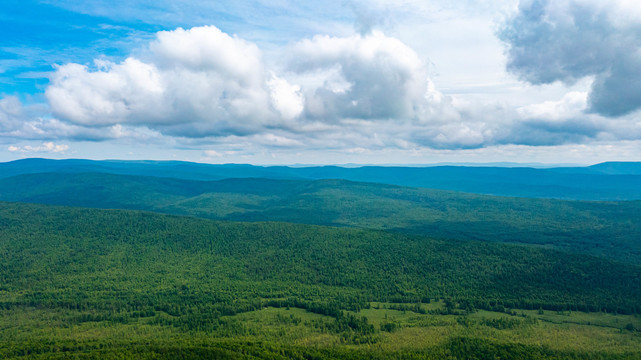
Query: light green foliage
(295, 333)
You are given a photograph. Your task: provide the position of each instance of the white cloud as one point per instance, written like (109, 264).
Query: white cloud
(193, 83)
(212, 154)
(203, 83)
(46, 147)
(33, 122)
(207, 48)
(11, 113)
(113, 94)
(276, 140)
(568, 40)
(371, 77)
(572, 105)
(202, 88)
(285, 97)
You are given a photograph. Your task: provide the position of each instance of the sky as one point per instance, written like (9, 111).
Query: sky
(332, 82)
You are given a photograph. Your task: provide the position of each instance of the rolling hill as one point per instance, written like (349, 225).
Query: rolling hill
(290, 264)
(610, 229)
(93, 283)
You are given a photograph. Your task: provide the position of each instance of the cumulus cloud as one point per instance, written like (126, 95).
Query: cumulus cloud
(286, 97)
(26, 122)
(569, 40)
(113, 94)
(365, 77)
(203, 83)
(549, 123)
(33, 122)
(196, 82)
(201, 88)
(561, 122)
(572, 104)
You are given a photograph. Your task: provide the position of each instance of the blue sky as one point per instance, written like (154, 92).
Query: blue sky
(284, 82)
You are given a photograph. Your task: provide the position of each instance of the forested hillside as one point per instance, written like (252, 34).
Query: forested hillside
(42, 242)
(166, 260)
(610, 229)
(125, 270)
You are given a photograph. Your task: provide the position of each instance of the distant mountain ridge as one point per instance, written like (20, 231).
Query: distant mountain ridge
(618, 168)
(605, 181)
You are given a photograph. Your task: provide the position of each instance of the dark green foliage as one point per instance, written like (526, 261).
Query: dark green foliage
(459, 348)
(144, 264)
(610, 229)
(389, 326)
(198, 281)
(118, 267)
(504, 323)
(477, 349)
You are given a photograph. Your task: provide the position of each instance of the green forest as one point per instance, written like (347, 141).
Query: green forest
(91, 283)
(609, 229)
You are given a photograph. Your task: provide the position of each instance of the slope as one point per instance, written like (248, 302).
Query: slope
(125, 261)
(610, 229)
